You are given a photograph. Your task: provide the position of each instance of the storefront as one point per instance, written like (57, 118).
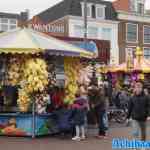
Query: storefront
(32, 66)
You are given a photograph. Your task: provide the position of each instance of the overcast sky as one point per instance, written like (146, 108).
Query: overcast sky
(35, 6)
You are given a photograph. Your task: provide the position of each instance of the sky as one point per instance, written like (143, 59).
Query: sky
(35, 6)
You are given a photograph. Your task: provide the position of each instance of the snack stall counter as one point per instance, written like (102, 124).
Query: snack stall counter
(19, 124)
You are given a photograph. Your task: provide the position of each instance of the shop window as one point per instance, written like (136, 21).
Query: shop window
(78, 31)
(92, 32)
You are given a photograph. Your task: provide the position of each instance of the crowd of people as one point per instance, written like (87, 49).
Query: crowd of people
(89, 101)
(91, 106)
(96, 100)
(137, 99)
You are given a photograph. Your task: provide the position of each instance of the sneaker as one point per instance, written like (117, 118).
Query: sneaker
(101, 137)
(83, 138)
(105, 137)
(76, 138)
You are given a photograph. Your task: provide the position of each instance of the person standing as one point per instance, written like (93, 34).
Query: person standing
(138, 111)
(146, 92)
(100, 107)
(80, 108)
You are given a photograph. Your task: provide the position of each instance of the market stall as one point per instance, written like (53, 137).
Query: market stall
(26, 73)
(131, 70)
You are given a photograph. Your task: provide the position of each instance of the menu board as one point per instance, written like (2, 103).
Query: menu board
(60, 73)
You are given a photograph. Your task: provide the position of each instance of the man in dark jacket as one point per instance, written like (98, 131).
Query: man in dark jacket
(138, 111)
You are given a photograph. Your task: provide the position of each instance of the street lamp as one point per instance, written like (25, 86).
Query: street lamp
(85, 23)
(85, 20)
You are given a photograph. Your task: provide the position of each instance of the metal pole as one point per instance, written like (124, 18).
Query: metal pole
(33, 119)
(85, 21)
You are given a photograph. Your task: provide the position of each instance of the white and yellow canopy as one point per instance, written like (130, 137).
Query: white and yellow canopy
(30, 41)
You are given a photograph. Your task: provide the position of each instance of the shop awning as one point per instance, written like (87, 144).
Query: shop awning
(30, 41)
(89, 46)
(143, 66)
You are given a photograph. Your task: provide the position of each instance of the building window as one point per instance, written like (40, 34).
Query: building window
(146, 34)
(92, 32)
(147, 53)
(93, 11)
(106, 33)
(13, 21)
(132, 32)
(12, 27)
(89, 9)
(132, 6)
(78, 31)
(4, 27)
(100, 11)
(4, 20)
(140, 8)
(7, 24)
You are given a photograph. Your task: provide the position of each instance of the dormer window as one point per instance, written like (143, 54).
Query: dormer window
(94, 10)
(89, 9)
(100, 11)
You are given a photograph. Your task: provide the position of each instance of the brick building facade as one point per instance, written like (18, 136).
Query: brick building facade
(134, 27)
(9, 21)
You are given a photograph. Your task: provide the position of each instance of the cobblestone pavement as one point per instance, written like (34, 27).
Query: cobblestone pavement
(57, 143)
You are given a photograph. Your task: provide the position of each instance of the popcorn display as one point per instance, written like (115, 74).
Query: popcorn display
(34, 78)
(23, 100)
(35, 75)
(71, 66)
(14, 71)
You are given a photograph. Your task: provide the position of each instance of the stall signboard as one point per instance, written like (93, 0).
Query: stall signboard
(48, 28)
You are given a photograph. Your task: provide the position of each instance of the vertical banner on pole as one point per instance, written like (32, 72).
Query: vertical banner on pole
(129, 58)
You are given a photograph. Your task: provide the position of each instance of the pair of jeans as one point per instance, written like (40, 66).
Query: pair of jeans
(139, 129)
(80, 129)
(102, 123)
